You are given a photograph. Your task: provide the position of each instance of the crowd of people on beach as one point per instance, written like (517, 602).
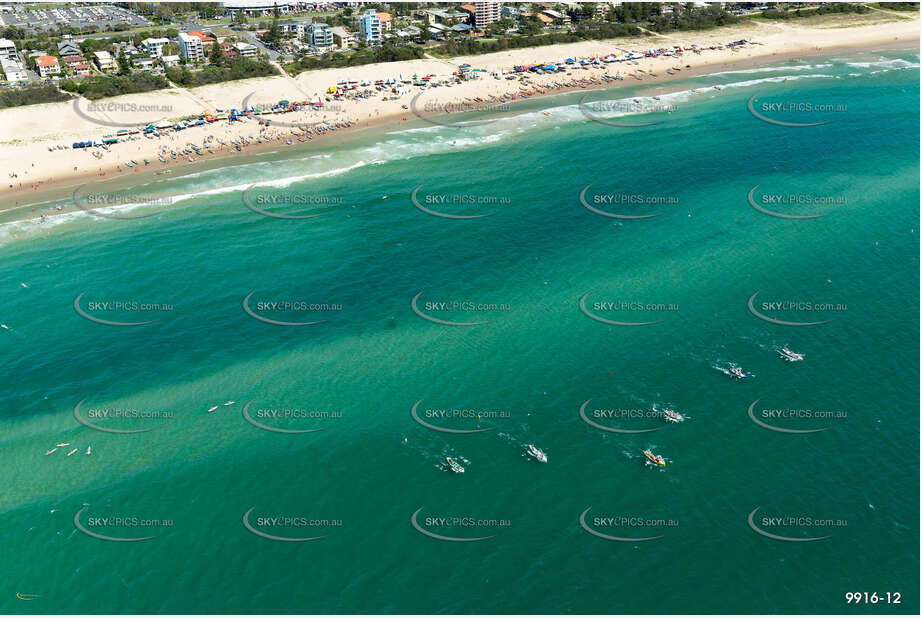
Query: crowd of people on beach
(344, 108)
(215, 144)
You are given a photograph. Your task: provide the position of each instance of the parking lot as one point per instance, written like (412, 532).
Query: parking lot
(101, 16)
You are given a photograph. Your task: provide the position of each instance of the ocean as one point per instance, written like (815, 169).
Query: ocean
(402, 323)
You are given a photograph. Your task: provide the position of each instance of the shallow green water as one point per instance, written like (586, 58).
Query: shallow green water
(533, 364)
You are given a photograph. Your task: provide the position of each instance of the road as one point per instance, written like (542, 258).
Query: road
(251, 37)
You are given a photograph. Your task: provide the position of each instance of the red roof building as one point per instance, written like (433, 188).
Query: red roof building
(205, 38)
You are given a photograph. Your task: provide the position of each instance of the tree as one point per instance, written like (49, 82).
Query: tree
(124, 67)
(530, 25)
(206, 10)
(273, 34)
(498, 27)
(217, 53)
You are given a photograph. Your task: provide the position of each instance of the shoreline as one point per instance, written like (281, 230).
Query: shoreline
(21, 204)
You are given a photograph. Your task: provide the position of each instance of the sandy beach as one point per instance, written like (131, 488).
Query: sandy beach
(39, 163)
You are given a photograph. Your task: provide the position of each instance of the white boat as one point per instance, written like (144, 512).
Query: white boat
(789, 355)
(63, 444)
(736, 371)
(72, 452)
(228, 403)
(671, 416)
(537, 454)
(89, 450)
(48, 452)
(212, 408)
(453, 466)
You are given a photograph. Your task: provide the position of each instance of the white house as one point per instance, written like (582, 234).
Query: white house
(14, 70)
(47, 65)
(191, 48)
(154, 47)
(143, 63)
(295, 28)
(245, 50)
(7, 49)
(104, 61)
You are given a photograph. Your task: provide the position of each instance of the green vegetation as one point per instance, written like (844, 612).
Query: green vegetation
(368, 55)
(100, 86)
(30, 95)
(216, 55)
(124, 67)
(497, 27)
(467, 46)
(169, 33)
(632, 12)
(24, 39)
(398, 9)
(13, 33)
(824, 9)
(90, 46)
(170, 11)
(622, 21)
(108, 44)
(698, 18)
(273, 35)
(227, 70)
(899, 6)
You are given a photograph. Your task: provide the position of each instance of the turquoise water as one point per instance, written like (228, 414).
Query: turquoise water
(526, 372)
